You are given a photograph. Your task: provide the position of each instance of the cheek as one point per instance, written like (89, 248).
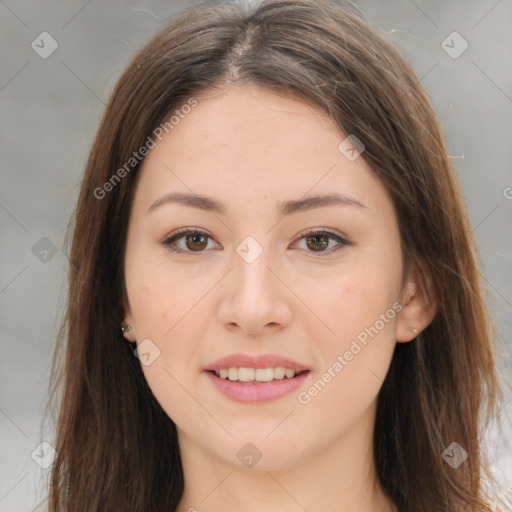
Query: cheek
(167, 309)
(355, 333)
(354, 360)
(162, 296)
(350, 301)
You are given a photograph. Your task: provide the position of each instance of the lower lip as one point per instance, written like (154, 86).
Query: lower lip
(257, 393)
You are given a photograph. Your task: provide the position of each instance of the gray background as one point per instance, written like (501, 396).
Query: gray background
(50, 108)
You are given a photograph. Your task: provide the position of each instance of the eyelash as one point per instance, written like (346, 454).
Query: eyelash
(181, 233)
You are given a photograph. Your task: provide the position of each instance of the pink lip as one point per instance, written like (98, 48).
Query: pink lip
(256, 393)
(261, 361)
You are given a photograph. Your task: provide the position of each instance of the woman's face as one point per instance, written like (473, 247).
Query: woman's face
(271, 274)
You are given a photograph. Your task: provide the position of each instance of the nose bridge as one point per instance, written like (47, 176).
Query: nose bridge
(252, 298)
(252, 274)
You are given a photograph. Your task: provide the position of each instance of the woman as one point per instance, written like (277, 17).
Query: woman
(274, 299)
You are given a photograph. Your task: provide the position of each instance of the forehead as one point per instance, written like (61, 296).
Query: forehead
(250, 123)
(247, 142)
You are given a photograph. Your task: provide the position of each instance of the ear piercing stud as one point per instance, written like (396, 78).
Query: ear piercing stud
(414, 330)
(125, 328)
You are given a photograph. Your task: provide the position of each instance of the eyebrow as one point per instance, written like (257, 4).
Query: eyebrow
(286, 208)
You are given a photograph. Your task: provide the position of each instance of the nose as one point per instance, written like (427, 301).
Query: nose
(254, 298)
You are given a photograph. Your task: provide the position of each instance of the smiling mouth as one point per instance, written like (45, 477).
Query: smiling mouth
(256, 375)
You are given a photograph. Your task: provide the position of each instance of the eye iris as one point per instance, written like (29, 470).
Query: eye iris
(197, 242)
(319, 245)
(196, 238)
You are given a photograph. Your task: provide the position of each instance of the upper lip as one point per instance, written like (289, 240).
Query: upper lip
(255, 361)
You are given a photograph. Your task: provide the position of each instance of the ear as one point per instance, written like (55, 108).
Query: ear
(129, 334)
(419, 306)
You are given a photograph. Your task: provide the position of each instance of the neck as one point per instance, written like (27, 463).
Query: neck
(341, 477)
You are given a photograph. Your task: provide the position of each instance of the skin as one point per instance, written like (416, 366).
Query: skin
(252, 149)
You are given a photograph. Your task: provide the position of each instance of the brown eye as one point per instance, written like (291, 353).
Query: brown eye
(193, 241)
(318, 242)
(196, 242)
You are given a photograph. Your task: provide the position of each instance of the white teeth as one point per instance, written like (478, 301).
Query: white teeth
(264, 374)
(289, 373)
(245, 374)
(256, 374)
(279, 372)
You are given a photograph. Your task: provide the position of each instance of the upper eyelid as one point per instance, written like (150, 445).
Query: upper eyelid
(185, 231)
(180, 233)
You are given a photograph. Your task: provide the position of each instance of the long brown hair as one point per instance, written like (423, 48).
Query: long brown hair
(116, 447)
